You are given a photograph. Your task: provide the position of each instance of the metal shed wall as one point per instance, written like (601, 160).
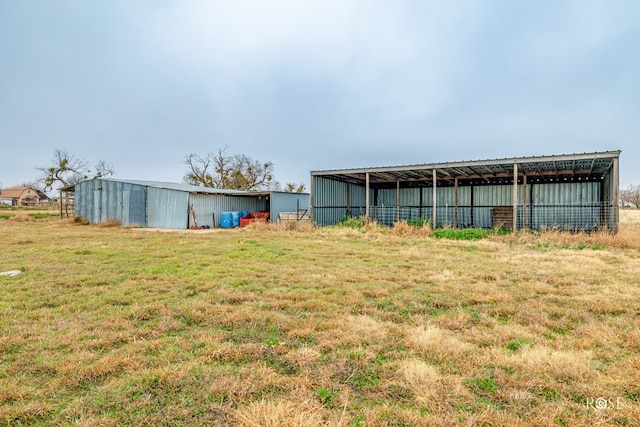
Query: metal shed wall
(287, 202)
(102, 200)
(209, 207)
(167, 208)
(573, 206)
(576, 205)
(334, 200)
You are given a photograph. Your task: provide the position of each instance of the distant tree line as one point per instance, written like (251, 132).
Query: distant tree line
(630, 197)
(233, 171)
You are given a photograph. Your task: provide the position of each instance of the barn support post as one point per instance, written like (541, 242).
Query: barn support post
(605, 191)
(524, 200)
(455, 212)
(473, 224)
(312, 208)
(435, 198)
(532, 224)
(61, 203)
(515, 197)
(398, 201)
(366, 196)
(616, 196)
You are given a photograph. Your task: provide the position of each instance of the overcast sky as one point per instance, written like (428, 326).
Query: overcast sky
(315, 84)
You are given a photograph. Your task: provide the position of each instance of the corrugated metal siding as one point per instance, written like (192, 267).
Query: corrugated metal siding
(84, 200)
(563, 205)
(331, 204)
(287, 202)
(134, 205)
(167, 208)
(111, 201)
(209, 207)
(572, 206)
(102, 200)
(358, 195)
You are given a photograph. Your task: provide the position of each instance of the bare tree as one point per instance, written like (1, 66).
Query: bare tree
(291, 187)
(222, 170)
(36, 185)
(67, 170)
(631, 196)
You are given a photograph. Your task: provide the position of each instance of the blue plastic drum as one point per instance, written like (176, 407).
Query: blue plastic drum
(226, 219)
(235, 216)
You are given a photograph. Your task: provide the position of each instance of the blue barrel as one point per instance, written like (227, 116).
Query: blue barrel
(226, 219)
(236, 218)
(244, 213)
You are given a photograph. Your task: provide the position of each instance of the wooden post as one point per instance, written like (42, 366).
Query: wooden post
(435, 199)
(455, 213)
(515, 197)
(61, 203)
(366, 196)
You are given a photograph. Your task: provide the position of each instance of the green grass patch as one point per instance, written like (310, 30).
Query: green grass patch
(517, 343)
(483, 385)
(468, 233)
(356, 222)
(128, 326)
(420, 222)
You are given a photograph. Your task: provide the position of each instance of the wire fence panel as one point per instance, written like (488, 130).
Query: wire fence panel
(570, 217)
(582, 217)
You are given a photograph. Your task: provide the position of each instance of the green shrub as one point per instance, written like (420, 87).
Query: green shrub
(357, 222)
(468, 233)
(420, 222)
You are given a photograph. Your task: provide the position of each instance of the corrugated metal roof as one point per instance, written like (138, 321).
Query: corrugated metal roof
(585, 166)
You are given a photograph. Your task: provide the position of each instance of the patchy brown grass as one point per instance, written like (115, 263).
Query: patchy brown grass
(327, 326)
(402, 228)
(20, 217)
(110, 223)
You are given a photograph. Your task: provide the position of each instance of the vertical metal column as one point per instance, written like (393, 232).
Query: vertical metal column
(616, 196)
(366, 210)
(524, 200)
(515, 197)
(398, 201)
(435, 201)
(455, 214)
(312, 210)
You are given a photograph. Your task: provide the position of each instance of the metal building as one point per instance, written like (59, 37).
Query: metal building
(171, 205)
(568, 192)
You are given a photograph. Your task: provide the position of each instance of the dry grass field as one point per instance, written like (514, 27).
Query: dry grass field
(118, 326)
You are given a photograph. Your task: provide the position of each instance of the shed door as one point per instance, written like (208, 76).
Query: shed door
(97, 206)
(167, 208)
(134, 207)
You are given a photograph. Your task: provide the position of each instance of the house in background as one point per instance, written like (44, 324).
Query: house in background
(20, 196)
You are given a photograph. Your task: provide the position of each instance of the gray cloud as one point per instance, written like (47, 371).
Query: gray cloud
(314, 85)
